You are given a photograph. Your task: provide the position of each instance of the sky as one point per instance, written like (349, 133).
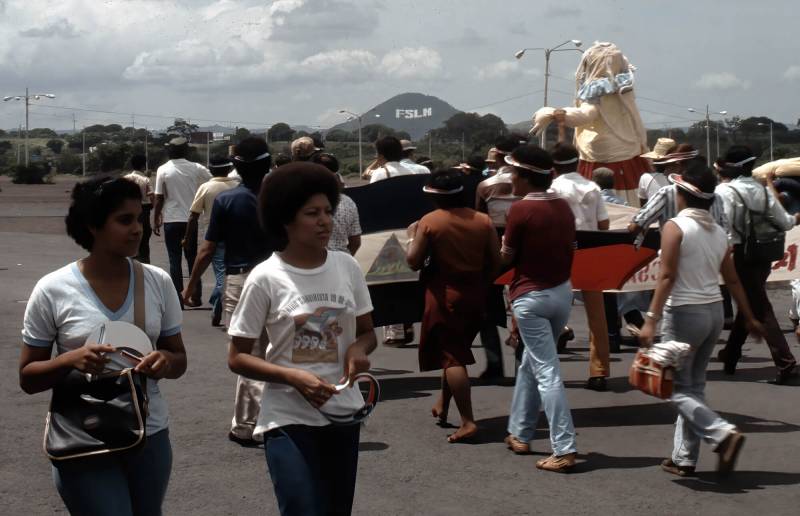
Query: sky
(253, 63)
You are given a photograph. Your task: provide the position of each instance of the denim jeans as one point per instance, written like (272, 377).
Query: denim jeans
(120, 484)
(313, 468)
(541, 315)
(218, 264)
(173, 235)
(699, 326)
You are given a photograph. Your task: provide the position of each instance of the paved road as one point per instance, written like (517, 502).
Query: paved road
(406, 466)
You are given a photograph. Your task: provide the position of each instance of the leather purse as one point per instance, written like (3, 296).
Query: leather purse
(651, 377)
(102, 415)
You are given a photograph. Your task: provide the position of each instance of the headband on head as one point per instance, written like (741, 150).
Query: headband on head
(740, 164)
(257, 158)
(690, 188)
(566, 161)
(222, 165)
(676, 157)
(514, 163)
(439, 191)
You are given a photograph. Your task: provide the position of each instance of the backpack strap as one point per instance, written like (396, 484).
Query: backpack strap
(138, 295)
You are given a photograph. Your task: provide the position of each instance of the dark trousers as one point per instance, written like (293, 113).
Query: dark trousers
(173, 235)
(490, 339)
(754, 282)
(147, 231)
(313, 468)
(130, 483)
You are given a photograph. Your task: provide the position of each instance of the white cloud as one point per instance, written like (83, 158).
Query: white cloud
(721, 81)
(221, 6)
(412, 63)
(339, 62)
(792, 73)
(60, 28)
(508, 69)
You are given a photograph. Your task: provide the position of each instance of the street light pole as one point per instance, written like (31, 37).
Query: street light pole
(27, 98)
(547, 52)
(771, 150)
(708, 131)
(83, 148)
(358, 118)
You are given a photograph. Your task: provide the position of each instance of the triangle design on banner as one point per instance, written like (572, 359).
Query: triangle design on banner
(390, 264)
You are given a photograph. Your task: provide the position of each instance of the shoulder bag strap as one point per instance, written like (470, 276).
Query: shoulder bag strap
(138, 295)
(746, 216)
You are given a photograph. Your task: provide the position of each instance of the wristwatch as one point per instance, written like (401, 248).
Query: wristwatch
(652, 316)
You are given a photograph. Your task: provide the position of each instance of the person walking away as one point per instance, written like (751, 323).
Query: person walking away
(346, 234)
(318, 314)
(220, 167)
(66, 306)
(652, 182)
(234, 225)
(303, 149)
(390, 152)
(464, 261)
(408, 158)
(539, 242)
(753, 209)
(139, 176)
(694, 252)
(177, 181)
(586, 203)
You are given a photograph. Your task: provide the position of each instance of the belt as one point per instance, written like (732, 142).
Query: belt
(230, 271)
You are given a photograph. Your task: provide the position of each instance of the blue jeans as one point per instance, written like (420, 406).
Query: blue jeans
(173, 235)
(218, 264)
(541, 315)
(699, 326)
(121, 484)
(313, 468)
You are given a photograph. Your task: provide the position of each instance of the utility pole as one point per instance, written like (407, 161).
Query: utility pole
(462, 146)
(83, 154)
(146, 167)
(208, 148)
(73, 124)
(27, 102)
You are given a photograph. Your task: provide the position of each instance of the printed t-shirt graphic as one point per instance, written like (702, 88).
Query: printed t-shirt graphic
(316, 336)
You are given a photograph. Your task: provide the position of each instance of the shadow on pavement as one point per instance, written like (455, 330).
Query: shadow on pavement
(748, 374)
(593, 461)
(406, 388)
(740, 482)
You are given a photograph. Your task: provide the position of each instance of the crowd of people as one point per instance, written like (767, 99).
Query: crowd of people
(280, 235)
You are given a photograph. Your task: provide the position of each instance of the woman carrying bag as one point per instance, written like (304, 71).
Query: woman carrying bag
(694, 252)
(65, 308)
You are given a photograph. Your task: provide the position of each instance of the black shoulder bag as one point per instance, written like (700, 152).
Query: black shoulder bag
(105, 415)
(760, 246)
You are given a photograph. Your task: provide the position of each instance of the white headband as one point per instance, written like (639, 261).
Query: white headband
(430, 189)
(566, 161)
(739, 164)
(690, 188)
(257, 158)
(221, 165)
(514, 163)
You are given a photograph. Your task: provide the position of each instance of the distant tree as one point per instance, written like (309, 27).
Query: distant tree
(2, 133)
(477, 131)
(5, 146)
(42, 132)
(240, 134)
(338, 135)
(760, 124)
(280, 132)
(113, 128)
(112, 156)
(69, 163)
(182, 127)
(55, 146)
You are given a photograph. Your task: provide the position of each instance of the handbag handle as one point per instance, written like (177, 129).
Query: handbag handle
(138, 295)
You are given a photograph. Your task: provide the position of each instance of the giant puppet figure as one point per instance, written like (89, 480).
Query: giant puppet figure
(608, 129)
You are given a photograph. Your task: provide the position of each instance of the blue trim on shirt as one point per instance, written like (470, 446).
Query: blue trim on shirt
(170, 332)
(112, 316)
(37, 343)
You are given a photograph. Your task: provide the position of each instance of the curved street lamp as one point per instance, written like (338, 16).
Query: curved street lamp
(547, 51)
(27, 97)
(353, 116)
(708, 130)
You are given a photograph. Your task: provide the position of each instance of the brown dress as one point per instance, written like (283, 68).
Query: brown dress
(456, 286)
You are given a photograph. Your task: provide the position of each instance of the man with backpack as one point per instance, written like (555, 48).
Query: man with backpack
(758, 224)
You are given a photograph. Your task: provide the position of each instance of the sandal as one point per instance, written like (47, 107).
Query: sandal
(517, 446)
(682, 471)
(728, 451)
(558, 464)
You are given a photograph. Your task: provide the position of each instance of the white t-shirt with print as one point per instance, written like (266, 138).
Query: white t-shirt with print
(178, 180)
(64, 309)
(310, 316)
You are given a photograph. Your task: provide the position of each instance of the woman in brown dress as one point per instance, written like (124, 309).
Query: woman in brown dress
(463, 249)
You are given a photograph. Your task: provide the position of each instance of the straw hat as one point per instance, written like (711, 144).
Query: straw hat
(660, 148)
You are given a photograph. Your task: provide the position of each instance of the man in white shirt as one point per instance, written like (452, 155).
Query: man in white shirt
(742, 197)
(586, 202)
(139, 176)
(390, 152)
(408, 158)
(651, 182)
(177, 182)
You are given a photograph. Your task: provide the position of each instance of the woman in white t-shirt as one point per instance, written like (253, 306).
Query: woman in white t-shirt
(66, 306)
(694, 252)
(317, 311)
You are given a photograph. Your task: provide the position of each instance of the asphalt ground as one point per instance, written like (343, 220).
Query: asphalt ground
(406, 465)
